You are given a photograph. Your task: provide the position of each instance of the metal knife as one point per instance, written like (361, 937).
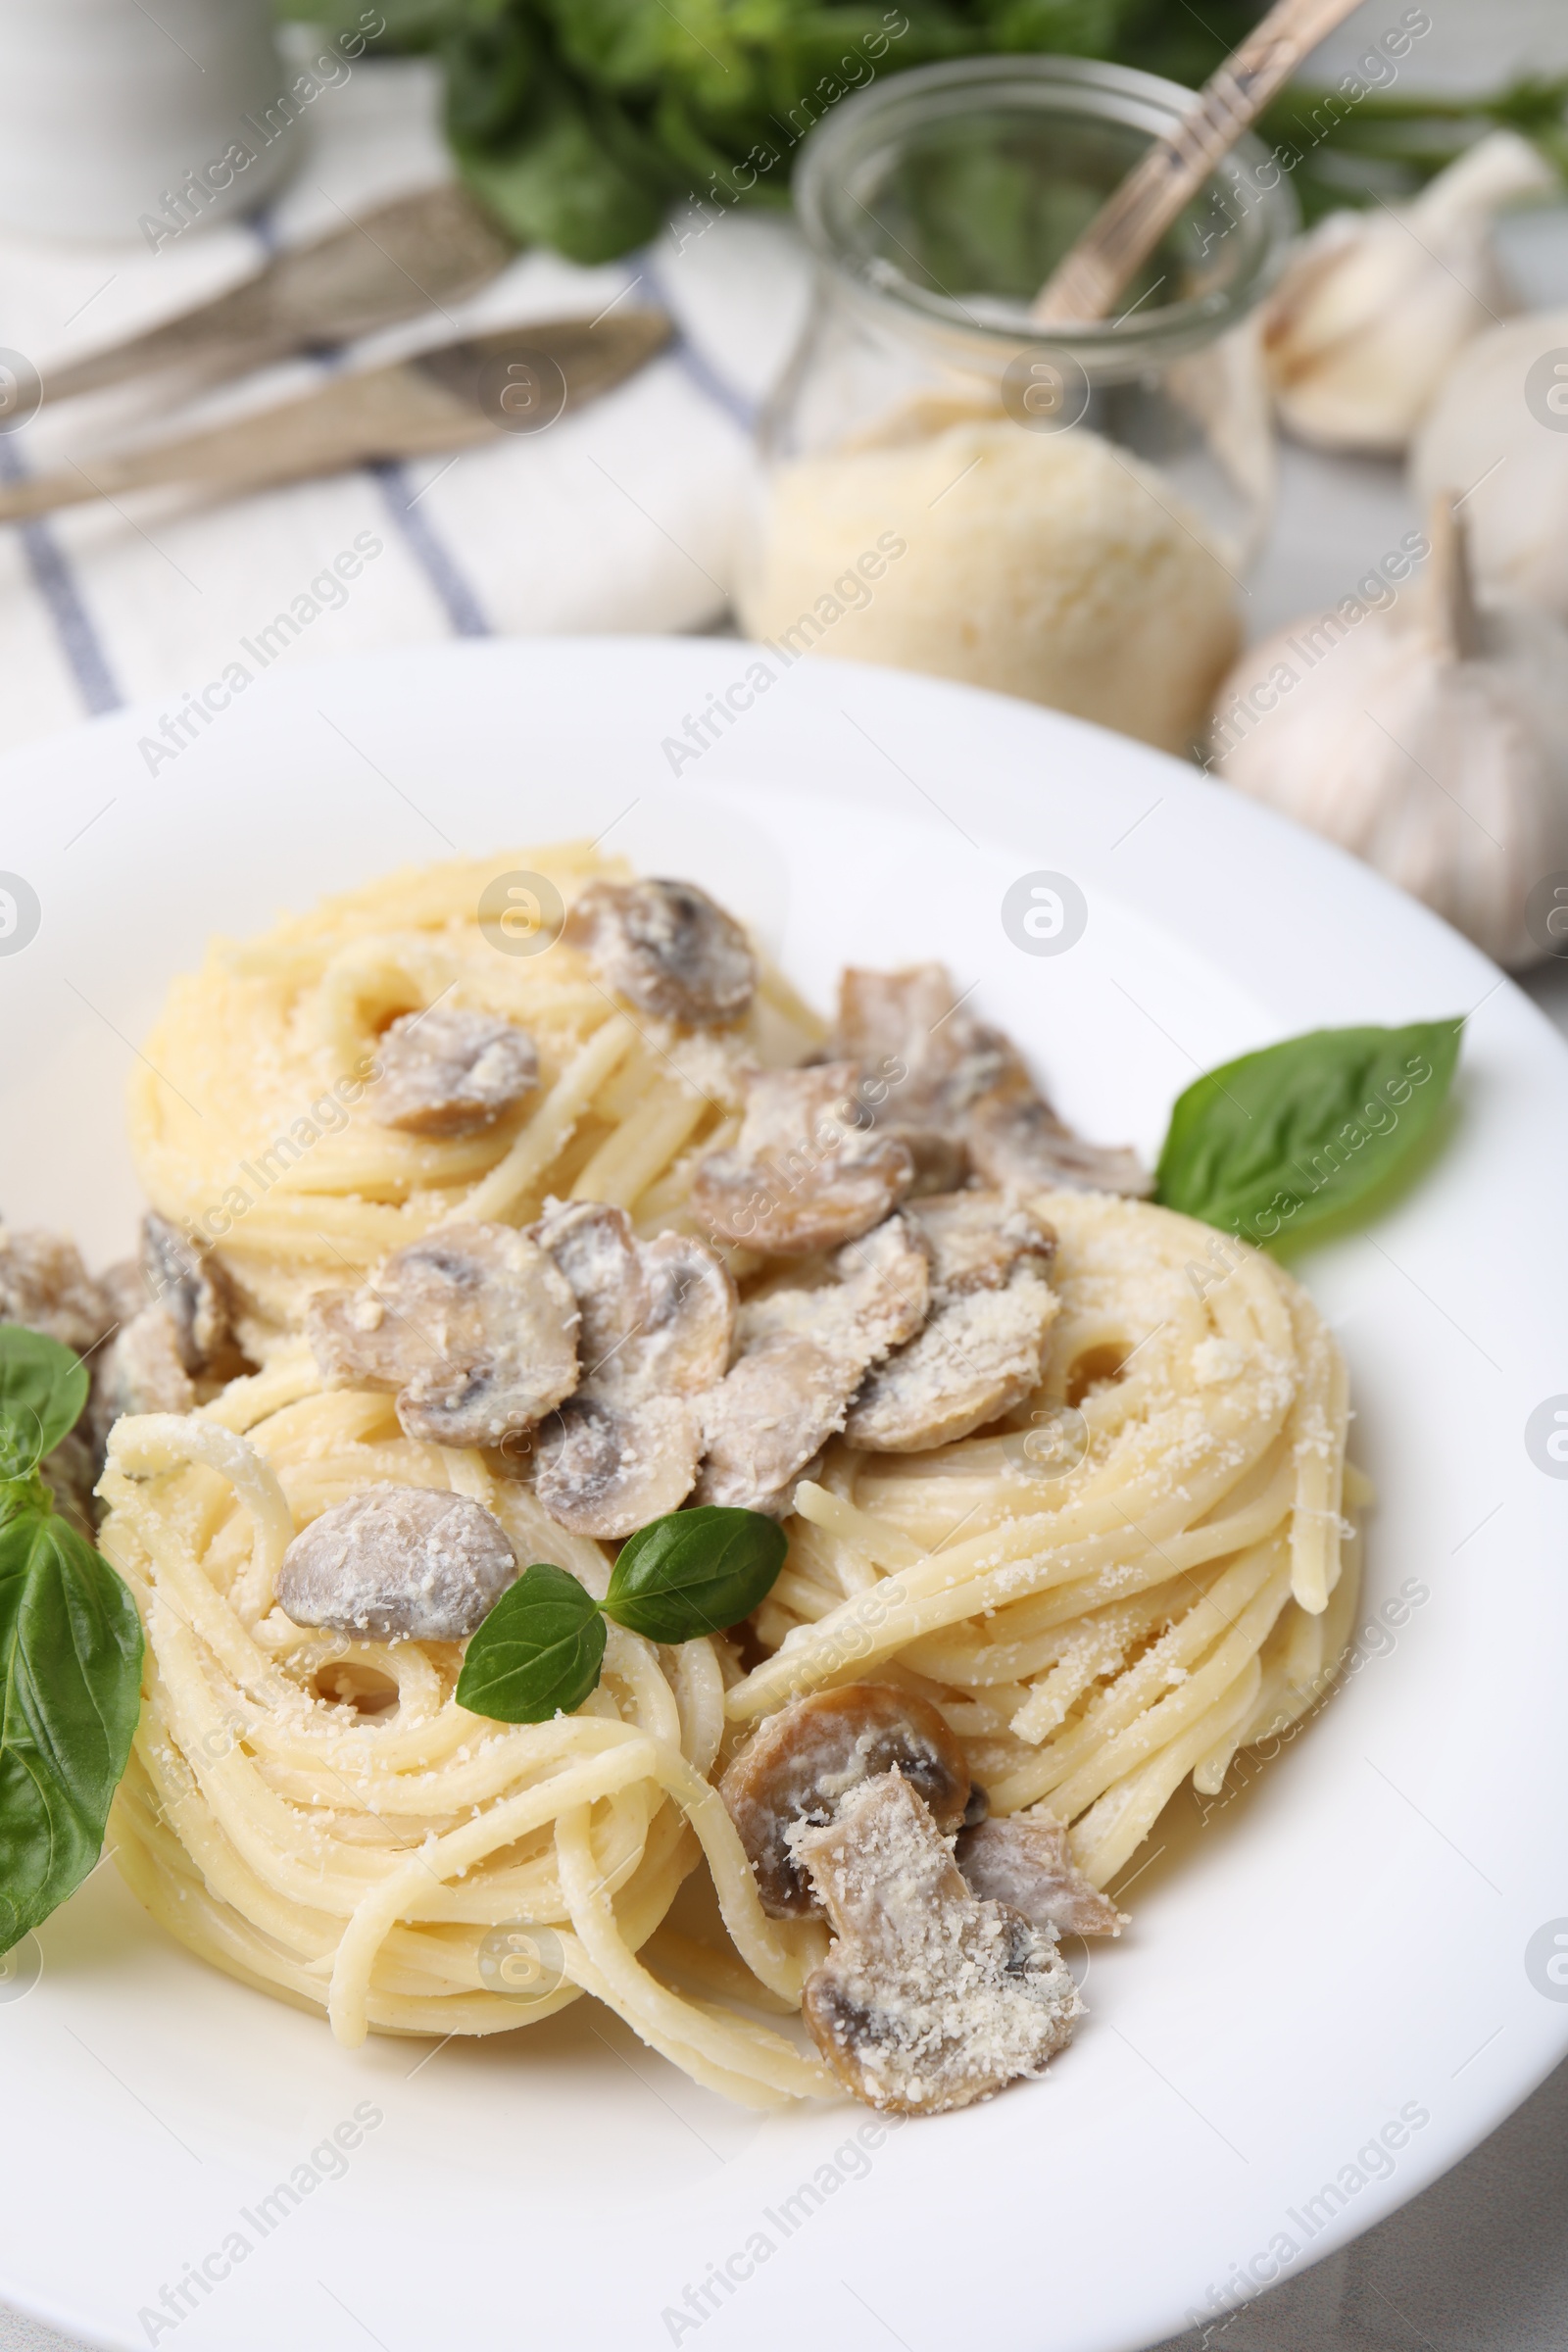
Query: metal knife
(412, 255)
(517, 381)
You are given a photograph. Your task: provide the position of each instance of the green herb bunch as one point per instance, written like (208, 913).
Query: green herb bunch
(71, 1650)
(580, 124)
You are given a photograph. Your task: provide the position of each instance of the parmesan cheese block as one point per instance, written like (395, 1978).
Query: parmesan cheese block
(1046, 565)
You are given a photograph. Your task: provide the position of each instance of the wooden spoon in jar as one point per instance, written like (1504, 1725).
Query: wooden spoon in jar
(1130, 224)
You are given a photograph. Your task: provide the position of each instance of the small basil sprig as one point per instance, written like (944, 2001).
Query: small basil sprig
(541, 1649)
(71, 1650)
(43, 1389)
(695, 1572)
(1281, 1140)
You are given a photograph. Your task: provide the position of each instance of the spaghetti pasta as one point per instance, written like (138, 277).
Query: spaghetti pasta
(1143, 1567)
(250, 1113)
(1094, 1637)
(319, 1817)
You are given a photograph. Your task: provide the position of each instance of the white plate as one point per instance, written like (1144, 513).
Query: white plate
(1342, 1944)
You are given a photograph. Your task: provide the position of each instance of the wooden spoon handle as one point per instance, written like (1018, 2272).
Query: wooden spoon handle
(1124, 233)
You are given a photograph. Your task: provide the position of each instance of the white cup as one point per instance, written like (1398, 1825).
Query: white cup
(109, 109)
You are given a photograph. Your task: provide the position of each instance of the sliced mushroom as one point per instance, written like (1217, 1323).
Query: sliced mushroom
(767, 1421)
(978, 1237)
(475, 1328)
(805, 1351)
(1028, 1863)
(965, 1080)
(397, 1563)
(71, 1473)
(44, 1285)
(684, 1343)
(448, 1072)
(875, 1294)
(145, 1369)
(667, 948)
(1015, 1138)
(982, 1350)
(596, 1250)
(604, 1469)
(910, 1021)
(978, 1356)
(125, 1286)
(804, 1760)
(941, 1162)
(928, 2000)
(197, 1293)
(657, 1318)
(806, 1171)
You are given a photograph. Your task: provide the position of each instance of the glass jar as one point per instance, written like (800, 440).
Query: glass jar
(1063, 516)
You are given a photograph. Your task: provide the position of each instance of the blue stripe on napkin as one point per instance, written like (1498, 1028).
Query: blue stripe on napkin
(56, 583)
(693, 363)
(460, 600)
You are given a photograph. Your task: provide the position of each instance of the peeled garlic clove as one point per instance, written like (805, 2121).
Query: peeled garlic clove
(1498, 429)
(1375, 306)
(1430, 738)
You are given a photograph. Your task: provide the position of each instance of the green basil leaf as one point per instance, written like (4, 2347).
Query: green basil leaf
(71, 1649)
(43, 1388)
(1278, 1142)
(695, 1572)
(538, 1652)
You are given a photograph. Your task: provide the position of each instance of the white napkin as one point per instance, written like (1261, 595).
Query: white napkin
(623, 518)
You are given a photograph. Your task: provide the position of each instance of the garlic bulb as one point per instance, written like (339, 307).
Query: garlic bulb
(1498, 428)
(1375, 306)
(1430, 737)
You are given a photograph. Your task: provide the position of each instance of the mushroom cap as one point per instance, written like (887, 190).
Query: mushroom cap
(397, 1563)
(685, 1340)
(667, 948)
(596, 1250)
(928, 2000)
(941, 1162)
(1017, 1141)
(145, 1372)
(772, 1414)
(44, 1285)
(604, 1470)
(199, 1295)
(911, 1021)
(877, 1296)
(474, 1327)
(981, 1353)
(804, 1349)
(806, 1171)
(804, 1760)
(977, 1237)
(968, 1081)
(1027, 1862)
(444, 1071)
(657, 1316)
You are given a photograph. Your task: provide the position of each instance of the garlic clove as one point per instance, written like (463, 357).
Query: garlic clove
(1430, 738)
(1493, 431)
(1373, 309)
